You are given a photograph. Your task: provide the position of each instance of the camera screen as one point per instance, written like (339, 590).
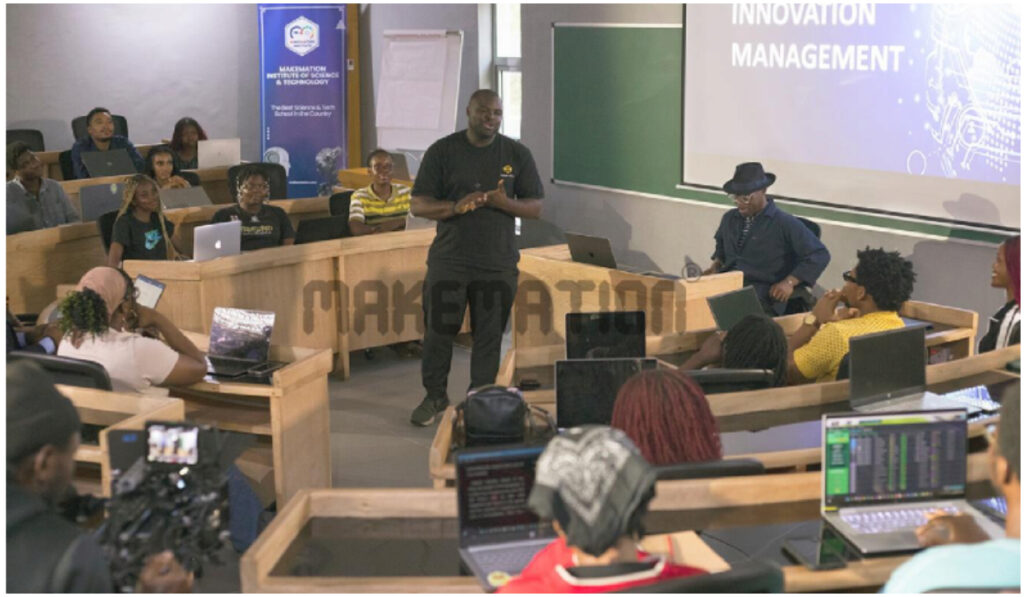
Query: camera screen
(172, 444)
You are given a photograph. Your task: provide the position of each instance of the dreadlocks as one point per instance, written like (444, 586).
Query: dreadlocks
(665, 413)
(756, 342)
(83, 312)
(886, 276)
(130, 185)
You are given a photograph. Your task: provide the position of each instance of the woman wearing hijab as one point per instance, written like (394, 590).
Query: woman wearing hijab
(1004, 326)
(595, 486)
(102, 323)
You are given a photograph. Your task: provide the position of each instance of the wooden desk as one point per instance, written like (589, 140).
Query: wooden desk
(213, 180)
(51, 160)
(357, 178)
(551, 285)
(116, 410)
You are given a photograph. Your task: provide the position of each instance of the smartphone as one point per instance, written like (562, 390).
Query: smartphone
(813, 553)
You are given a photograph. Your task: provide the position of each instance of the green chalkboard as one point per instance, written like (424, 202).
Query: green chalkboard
(617, 106)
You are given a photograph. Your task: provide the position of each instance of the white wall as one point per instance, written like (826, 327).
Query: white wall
(661, 233)
(151, 63)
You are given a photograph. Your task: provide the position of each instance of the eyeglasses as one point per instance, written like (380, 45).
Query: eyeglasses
(744, 199)
(256, 186)
(849, 277)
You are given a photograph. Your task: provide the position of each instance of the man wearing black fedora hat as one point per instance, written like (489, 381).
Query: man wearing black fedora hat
(775, 251)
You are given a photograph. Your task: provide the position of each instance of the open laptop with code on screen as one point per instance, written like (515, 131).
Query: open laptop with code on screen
(882, 473)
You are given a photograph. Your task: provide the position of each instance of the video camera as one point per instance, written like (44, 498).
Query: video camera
(173, 497)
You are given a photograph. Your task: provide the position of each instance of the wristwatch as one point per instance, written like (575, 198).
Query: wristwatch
(810, 319)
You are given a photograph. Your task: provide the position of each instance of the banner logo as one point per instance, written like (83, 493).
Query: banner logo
(302, 36)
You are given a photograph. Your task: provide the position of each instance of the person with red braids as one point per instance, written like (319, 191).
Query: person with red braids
(666, 414)
(1004, 326)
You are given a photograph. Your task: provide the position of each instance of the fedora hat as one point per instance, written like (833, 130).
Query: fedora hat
(749, 177)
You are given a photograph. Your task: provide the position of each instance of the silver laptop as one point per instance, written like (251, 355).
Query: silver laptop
(887, 373)
(729, 308)
(595, 250)
(239, 341)
(112, 162)
(498, 533)
(881, 474)
(99, 199)
(217, 240)
(190, 197)
(214, 153)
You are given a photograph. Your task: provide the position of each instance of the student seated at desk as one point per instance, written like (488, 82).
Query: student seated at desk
(263, 225)
(594, 486)
(161, 167)
(42, 338)
(102, 322)
(382, 206)
(100, 137)
(185, 143)
(756, 342)
(874, 292)
(141, 231)
(1004, 326)
(667, 416)
(988, 563)
(34, 202)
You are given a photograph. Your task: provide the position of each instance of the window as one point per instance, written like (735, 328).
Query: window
(507, 66)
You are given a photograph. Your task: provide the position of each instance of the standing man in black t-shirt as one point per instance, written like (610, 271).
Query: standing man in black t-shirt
(474, 183)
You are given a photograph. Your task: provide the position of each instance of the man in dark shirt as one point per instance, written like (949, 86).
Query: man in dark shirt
(775, 251)
(34, 201)
(263, 225)
(475, 183)
(101, 137)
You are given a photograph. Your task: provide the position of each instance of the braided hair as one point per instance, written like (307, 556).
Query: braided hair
(667, 416)
(130, 185)
(83, 312)
(757, 342)
(887, 277)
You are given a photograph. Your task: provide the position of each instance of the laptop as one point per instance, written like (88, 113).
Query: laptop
(498, 533)
(881, 473)
(149, 291)
(217, 240)
(887, 373)
(318, 229)
(400, 170)
(595, 250)
(190, 197)
(729, 308)
(214, 153)
(99, 199)
(113, 162)
(609, 334)
(239, 341)
(585, 390)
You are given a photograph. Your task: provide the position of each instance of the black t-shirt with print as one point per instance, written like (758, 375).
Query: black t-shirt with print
(268, 228)
(141, 240)
(451, 169)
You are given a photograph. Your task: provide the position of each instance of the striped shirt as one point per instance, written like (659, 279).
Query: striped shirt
(365, 206)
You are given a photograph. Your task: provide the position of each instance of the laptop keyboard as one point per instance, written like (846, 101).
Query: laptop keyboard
(507, 558)
(226, 367)
(889, 521)
(978, 397)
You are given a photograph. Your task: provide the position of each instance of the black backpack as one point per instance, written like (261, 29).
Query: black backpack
(494, 415)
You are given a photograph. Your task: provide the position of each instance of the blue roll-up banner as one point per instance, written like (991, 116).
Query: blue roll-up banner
(302, 94)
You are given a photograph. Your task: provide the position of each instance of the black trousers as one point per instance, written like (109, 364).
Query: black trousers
(447, 291)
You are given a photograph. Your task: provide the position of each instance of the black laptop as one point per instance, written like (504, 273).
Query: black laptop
(99, 199)
(729, 308)
(318, 229)
(585, 390)
(498, 533)
(608, 334)
(595, 250)
(239, 342)
(113, 162)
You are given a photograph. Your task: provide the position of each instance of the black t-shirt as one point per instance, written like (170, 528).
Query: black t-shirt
(453, 168)
(142, 240)
(989, 340)
(269, 228)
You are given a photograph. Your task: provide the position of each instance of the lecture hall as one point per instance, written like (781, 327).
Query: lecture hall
(517, 298)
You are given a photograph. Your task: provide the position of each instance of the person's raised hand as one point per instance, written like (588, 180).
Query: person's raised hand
(163, 573)
(943, 528)
(497, 198)
(825, 309)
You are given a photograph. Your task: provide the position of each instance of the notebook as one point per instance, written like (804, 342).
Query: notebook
(585, 390)
(239, 341)
(214, 153)
(882, 472)
(99, 199)
(190, 197)
(112, 162)
(314, 230)
(217, 240)
(729, 308)
(595, 250)
(149, 291)
(609, 334)
(498, 533)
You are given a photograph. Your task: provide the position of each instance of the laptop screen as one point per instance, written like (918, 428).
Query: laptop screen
(731, 307)
(616, 334)
(585, 390)
(905, 457)
(241, 334)
(885, 363)
(493, 486)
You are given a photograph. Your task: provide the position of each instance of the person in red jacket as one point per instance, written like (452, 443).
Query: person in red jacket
(595, 486)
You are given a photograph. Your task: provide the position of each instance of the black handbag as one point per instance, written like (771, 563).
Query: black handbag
(496, 415)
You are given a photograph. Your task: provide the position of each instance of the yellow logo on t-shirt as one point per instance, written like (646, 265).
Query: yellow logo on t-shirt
(507, 169)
